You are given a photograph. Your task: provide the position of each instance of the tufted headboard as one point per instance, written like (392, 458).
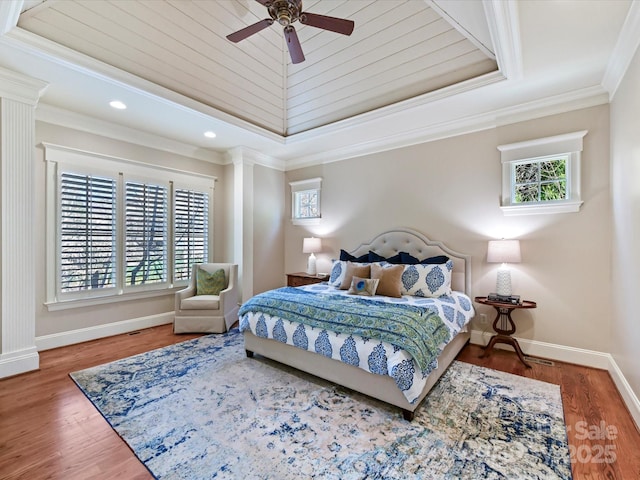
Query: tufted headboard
(414, 243)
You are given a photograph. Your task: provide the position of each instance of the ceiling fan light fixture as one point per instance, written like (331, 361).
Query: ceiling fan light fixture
(286, 12)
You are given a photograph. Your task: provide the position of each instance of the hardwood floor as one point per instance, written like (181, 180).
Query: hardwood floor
(49, 430)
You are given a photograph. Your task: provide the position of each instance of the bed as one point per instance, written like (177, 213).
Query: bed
(408, 373)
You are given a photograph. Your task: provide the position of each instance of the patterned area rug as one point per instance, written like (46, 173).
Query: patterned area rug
(201, 409)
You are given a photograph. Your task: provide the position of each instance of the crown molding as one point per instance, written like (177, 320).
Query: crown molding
(624, 51)
(9, 14)
(575, 100)
(20, 87)
(79, 62)
(246, 156)
(504, 27)
(84, 123)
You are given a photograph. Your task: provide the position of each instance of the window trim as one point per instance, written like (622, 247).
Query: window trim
(58, 158)
(570, 144)
(301, 186)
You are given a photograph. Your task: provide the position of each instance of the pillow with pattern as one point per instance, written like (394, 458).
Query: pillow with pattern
(363, 286)
(338, 269)
(208, 283)
(427, 280)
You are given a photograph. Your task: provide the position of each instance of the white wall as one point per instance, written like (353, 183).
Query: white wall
(450, 190)
(57, 322)
(625, 192)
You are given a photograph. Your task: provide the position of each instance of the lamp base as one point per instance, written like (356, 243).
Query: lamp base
(503, 283)
(311, 265)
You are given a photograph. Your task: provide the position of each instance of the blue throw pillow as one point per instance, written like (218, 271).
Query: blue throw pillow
(347, 257)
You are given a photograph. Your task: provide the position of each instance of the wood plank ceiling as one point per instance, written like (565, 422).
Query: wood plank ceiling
(399, 49)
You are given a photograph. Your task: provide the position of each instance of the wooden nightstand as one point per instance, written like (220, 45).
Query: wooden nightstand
(503, 325)
(301, 278)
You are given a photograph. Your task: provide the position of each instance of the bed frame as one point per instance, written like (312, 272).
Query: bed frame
(381, 387)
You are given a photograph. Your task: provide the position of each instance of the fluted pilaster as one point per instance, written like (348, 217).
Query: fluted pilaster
(18, 352)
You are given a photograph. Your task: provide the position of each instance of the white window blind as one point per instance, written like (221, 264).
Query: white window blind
(87, 232)
(191, 231)
(146, 233)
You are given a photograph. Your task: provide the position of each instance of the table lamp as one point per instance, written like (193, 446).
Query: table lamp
(503, 251)
(311, 245)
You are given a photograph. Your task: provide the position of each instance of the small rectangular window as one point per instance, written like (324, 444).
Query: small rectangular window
(540, 180)
(305, 201)
(542, 175)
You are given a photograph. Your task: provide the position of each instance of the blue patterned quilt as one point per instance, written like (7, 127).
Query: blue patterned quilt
(416, 330)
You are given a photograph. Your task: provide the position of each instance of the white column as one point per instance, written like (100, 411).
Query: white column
(243, 218)
(18, 98)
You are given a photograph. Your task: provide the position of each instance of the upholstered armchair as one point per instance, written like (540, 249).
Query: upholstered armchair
(207, 313)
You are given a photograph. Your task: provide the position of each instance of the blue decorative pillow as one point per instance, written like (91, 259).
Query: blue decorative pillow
(363, 286)
(338, 270)
(431, 280)
(374, 257)
(347, 257)
(437, 260)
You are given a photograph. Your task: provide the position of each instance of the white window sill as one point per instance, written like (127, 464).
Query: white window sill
(541, 208)
(123, 297)
(306, 221)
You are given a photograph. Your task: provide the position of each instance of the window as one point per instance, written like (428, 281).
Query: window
(191, 231)
(542, 176)
(87, 232)
(146, 233)
(540, 179)
(133, 232)
(305, 201)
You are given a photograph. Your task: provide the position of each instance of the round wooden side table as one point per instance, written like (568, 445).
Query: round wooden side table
(504, 326)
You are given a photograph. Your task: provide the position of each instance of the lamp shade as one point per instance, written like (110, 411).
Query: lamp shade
(503, 251)
(311, 245)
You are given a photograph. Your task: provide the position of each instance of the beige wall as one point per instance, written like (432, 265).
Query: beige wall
(78, 318)
(625, 188)
(268, 236)
(450, 190)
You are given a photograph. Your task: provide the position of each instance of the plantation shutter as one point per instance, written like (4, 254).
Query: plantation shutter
(146, 233)
(191, 231)
(87, 232)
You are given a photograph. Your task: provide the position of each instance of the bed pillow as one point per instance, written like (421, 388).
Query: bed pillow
(210, 283)
(427, 280)
(363, 286)
(389, 277)
(437, 260)
(347, 257)
(357, 270)
(338, 269)
(374, 257)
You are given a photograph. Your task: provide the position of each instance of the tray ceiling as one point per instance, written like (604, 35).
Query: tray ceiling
(399, 50)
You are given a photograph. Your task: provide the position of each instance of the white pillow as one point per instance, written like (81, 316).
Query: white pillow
(427, 280)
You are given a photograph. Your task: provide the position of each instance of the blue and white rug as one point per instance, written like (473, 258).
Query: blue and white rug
(201, 410)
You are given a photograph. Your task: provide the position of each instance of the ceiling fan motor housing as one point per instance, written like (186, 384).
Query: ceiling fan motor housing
(285, 12)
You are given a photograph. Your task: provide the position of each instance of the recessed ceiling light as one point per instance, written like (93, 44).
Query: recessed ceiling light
(118, 104)
(210, 134)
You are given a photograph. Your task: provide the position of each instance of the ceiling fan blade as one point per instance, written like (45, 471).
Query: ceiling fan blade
(264, 2)
(293, 44)
(338, 25)
(250, 30)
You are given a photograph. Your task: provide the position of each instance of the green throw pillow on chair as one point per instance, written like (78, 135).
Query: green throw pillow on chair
(210, 283)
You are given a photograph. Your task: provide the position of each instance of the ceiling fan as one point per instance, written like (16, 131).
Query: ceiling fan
(286, 12)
